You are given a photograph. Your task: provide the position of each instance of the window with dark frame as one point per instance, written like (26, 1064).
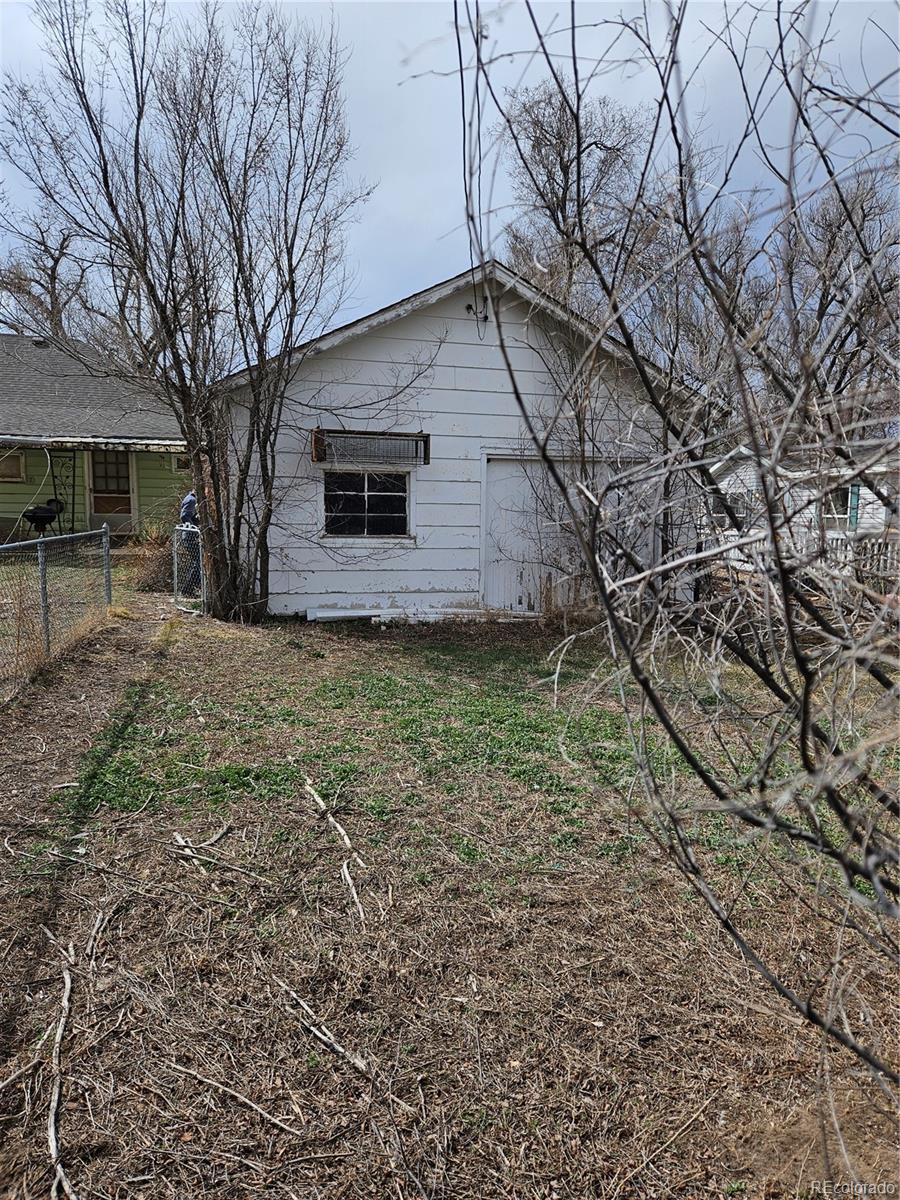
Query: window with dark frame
(366, 503)
(739, 502)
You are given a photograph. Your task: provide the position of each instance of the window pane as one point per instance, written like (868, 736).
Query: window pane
(738, 502)
(387, 504)
(345, 524)
(839, 500)
(345, 502)
(111, 476)
(344, 481)
(382, 526)
(372, 504)
(387, 483)
(11, 465)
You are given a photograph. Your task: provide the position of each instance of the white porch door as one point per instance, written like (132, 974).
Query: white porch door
(512, 570)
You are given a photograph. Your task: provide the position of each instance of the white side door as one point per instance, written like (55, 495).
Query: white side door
(512, 571)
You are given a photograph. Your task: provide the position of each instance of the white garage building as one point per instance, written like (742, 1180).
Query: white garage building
(407, 480)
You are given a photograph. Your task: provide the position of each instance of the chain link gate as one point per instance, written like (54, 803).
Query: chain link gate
(188, 575)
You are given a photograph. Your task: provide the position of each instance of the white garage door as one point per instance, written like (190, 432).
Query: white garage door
(512, 517)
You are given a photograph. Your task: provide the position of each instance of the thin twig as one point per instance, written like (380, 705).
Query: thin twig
(60, 1178)
(668, 1142)
(36, 1061)
(239, 1096)
(348, 879)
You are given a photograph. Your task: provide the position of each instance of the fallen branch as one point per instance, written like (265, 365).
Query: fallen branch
(239, 1096)
(348, 879)
(324, 1035)
(216, 837)
(332, 821)
(186, 849)
(60, 1178)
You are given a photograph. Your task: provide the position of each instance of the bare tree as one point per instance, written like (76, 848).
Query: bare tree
(753, 324)
(190, 201)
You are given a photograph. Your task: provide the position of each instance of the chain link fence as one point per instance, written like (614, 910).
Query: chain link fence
(189, 578)
(53, 590)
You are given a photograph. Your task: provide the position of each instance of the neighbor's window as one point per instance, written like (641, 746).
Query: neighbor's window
(111, 474)
(181, 462)
(739, 503)
(366, 503)
(12, 466)
(842, 506)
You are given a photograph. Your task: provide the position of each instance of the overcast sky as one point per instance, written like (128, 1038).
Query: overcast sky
(403, 106)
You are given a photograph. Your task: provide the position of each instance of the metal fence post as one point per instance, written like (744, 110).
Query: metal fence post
(45, 599)
(107, 565)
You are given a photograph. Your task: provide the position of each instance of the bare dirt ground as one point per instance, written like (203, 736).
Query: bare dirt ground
(469, 977)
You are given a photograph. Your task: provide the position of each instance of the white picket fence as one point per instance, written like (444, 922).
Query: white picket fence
(872, 558)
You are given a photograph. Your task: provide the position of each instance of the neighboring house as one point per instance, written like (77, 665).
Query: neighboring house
(830, 515)
(829, 500)
(109, 455)
(408, 481)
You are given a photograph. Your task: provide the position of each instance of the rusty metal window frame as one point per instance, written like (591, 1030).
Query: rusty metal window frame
(323, 438)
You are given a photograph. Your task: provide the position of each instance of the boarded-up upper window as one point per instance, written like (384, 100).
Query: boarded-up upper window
(738, 502)
(357, 448)
(12, 466)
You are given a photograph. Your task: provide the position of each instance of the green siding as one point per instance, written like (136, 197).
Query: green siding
(159, 488)
(38, 486)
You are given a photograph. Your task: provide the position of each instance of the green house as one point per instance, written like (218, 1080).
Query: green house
(107, 453)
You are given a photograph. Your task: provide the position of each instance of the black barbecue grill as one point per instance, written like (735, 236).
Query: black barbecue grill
(41, 516)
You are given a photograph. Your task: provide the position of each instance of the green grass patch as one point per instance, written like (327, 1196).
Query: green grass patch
(154, 750)
(109, 760)
(466, 850)
(454, 729)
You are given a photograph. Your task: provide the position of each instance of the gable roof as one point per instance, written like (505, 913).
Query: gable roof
(509, 281)
(47, 398)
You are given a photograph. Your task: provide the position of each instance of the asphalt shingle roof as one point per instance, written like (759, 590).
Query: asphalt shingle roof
(46, 394)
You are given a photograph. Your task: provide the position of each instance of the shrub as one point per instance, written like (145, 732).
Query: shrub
(150, 561)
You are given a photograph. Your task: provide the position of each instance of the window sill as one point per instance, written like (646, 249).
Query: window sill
(358, 539)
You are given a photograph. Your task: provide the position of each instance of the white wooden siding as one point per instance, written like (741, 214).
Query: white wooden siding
(466, 403)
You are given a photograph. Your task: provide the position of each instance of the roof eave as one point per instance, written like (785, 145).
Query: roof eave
(79, 442)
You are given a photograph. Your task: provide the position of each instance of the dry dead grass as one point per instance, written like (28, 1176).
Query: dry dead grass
(499, 990)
